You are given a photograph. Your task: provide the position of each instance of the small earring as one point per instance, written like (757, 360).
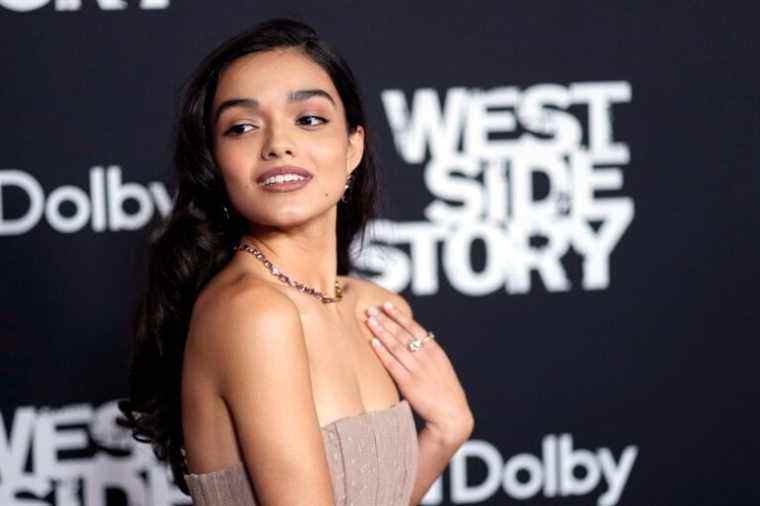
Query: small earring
(226, 212)
(346, 188)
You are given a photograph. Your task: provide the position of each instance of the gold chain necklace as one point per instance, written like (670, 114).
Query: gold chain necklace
(286, 279)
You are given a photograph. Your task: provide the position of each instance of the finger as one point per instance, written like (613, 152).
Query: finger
(398, 371)
(393, 344)
(409, 324)
(389, 324)
(416, 362)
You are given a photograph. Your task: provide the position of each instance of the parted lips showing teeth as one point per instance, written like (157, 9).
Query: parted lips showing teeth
(281, 174)
(281, 179)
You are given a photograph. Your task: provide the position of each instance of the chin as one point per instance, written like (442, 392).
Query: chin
(280, 218)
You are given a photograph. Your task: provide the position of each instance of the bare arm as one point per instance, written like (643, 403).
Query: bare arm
(435, 454)
(262, 371)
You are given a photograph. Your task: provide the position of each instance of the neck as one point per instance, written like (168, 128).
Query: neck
(306, 253)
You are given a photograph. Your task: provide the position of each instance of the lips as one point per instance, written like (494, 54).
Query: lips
(284, 169)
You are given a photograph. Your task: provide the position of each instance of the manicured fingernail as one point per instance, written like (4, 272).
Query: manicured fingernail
(375, 342)
(372, 320)
(388, 305)
(372, 310)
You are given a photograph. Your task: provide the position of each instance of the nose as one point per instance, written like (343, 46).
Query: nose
(276, 143)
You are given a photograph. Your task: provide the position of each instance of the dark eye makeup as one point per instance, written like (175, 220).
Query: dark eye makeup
(234, 130)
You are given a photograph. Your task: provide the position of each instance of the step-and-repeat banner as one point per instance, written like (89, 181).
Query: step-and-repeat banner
(570, 205)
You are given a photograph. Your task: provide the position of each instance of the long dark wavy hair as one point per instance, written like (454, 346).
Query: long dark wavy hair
(195, 241)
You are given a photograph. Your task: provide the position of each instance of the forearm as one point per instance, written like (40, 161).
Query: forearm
(435, 452)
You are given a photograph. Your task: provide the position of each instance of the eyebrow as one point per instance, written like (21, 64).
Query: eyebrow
(252, 103)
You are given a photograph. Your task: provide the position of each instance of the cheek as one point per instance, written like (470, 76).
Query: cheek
(227, 153)
(331, 161)
(331, 155)
(233, 161)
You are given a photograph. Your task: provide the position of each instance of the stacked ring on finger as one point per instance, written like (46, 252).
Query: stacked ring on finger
(416, 343)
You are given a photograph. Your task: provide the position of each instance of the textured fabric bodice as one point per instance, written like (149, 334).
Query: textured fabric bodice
(372, 459)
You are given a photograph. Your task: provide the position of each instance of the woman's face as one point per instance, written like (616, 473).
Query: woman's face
(279, 108)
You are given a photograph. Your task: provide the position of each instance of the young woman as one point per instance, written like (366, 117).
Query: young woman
(253, 372)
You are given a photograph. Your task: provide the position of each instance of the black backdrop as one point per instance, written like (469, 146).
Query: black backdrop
(570, 206)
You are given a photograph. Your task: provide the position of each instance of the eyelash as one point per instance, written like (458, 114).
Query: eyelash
(230, 132)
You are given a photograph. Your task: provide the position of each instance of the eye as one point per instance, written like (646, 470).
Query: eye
(236, 130)
(314, 117)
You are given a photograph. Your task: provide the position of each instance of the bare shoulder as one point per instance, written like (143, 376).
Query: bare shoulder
(236, 314)
(246, 300)
(250, 336)
(370, 293)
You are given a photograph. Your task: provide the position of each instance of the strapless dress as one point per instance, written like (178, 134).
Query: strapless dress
(372, 459)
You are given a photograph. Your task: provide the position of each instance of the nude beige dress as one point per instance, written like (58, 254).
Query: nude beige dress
(372, 459)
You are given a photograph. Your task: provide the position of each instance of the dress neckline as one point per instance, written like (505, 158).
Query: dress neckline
(364, 414)
(324, 429)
